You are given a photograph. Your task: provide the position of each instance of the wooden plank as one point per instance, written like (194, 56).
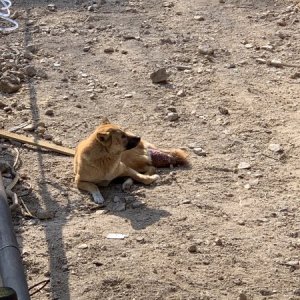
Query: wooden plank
(36, 142)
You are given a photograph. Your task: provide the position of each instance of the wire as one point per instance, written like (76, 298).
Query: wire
(43, 283)
(4, 15)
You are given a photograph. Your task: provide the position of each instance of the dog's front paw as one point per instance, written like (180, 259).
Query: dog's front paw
(98, 198)
(153, 178)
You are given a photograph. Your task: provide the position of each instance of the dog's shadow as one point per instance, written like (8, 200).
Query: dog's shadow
(129, 206)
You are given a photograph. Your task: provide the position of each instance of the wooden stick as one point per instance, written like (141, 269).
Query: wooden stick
(35, 142)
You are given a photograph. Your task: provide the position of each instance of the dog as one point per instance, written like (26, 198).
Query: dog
(111, 152)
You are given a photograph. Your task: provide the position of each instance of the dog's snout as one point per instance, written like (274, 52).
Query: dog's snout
(133, 142)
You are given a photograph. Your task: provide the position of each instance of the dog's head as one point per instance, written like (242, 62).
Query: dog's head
(114, 139)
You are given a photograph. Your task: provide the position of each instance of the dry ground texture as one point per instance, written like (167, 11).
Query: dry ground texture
(228, 227)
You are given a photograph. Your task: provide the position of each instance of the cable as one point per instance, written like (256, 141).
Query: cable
(4, 15)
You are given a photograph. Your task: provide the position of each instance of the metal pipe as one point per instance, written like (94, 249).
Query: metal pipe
(11, 267)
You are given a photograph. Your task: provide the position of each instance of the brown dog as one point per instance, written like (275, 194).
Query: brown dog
(109, 152)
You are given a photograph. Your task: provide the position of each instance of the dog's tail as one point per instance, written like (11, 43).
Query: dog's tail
(162, 158)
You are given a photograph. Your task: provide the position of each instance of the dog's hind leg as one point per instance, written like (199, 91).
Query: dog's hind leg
(93, 189)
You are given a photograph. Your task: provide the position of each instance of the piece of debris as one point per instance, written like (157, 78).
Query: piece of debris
(109, 50)
(52, 7)
(159, 76)
(9, 84)
(118, 236)
(181, 93)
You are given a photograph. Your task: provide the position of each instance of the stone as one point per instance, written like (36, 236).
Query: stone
(219, 242)
(9, 85)
(243, 296)
(295, 75)
(30, 71)
(181, 93)
(172, 116)
(193, 249)
(206, 50)
(128, 95)
(221, 1)
(297, 292)
(244, 165)
(29, 127)
(199, 18)
(86, 49)
(32, 48)
(275, 148)
(223, 110)
(49, 112)
(199, 151)
(109, 50)
(52, 7)
(7, 109)
(137, 204)
(83, 246)
(159, 76)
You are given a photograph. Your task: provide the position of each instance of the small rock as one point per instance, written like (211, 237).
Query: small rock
(49, 112)
(241, 223)
(247, 186)
(48, 137)
(57, 142)
(7, 109)
(10, 85)
(219, 242)
(199, 18)
(29, 127)
(297, 292)
(124, 51)
(282, 23)
(221, 1)
(30, 71)
(223, 110)
(275, 148)
(192, 249)
(159, 76)
(275, 63)
(199, 151)
(137, 204)
(172, 116)
(248, 46)
(295, 75)
(2, 105)
(52, 7)
(168, 4)
(206, 50)
(117, 199)
(83, 246)
(292, 263)
(32, 48)
(261, 61)
(119, 206)
(128, 95)
(109, 50)
(186, 201)
(266, 292)
(244, 165)
(243, 296)
(42, 74)
(86, 49)
(181, 93)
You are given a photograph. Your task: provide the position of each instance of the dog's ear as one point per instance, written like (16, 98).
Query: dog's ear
(102, 137)
(105, 121)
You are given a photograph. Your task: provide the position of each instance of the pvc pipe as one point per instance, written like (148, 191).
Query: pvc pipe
(11, 268)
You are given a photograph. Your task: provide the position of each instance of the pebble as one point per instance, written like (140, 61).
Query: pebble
(192, 249)
(297, 292)
(221, 1)
(29, 127)
(181, 93)
(86, 49)
(30, 71)
(244, 165)
(199, 151)
(219, 242)
(275, 148)
(199, 18)
(52, 7)
(223, 110)
(206, 50)
(137, 204)
(159, 76)
(292, 263)
(247, 186)
(7, 109)
(109, 50)
(243, 296)
(172, 116)
(9, 85)
(128, 95)
(48, 137)
(295, 75)
(83, 246)
(49, 112)
(32, 48)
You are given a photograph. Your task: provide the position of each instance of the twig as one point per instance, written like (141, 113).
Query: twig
(44, 282)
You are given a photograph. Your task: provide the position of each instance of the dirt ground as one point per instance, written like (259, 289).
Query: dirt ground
(228, 227)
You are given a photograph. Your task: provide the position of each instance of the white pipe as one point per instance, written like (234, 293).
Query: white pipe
(5, 13)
